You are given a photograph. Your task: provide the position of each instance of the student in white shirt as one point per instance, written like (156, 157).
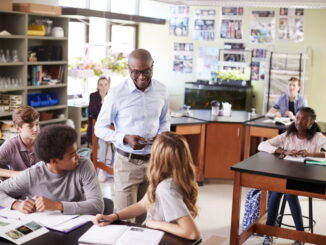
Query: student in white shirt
(302, 138)
(172, 193)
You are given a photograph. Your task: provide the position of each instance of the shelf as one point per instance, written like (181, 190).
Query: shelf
(12, 64)
(12, 36)
(83, 119)
(48, 63)
(56, 120)
(48, 38)
(17, 23)
(286, 72)
(48, 108)
(59, 85)
(11, 89)
(5, 114)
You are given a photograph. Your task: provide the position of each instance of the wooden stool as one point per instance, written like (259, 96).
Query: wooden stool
(312, 222)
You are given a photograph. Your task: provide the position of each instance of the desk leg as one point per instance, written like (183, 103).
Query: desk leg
(263, 202)
(235, 219)
(201, 155)
(246, 151)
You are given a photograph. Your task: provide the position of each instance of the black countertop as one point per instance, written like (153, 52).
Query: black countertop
(259, 122)
(271, 165)
(185, 121)
(236, 116)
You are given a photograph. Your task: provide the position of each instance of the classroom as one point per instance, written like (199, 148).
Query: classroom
(195, 121)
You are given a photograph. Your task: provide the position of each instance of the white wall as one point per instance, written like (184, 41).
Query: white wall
(157, 40)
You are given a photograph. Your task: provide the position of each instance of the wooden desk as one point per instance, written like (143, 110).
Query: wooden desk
(258, 128)
(267, 172)
(194, 130)
(71, 238)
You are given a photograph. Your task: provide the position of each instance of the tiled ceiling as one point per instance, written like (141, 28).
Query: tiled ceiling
(252, 3)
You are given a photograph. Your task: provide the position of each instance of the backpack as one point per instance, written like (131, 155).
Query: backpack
(251, 213)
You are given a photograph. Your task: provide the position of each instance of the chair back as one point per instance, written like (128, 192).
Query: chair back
(97, 164)
(108, 206)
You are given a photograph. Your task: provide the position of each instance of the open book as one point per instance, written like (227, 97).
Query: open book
(20, 232)
(121, 235)
(53, 220)
(308, 160)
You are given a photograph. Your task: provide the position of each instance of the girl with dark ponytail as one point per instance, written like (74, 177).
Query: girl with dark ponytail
(302, 139)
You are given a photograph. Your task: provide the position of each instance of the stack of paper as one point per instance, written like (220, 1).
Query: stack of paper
(53, 220)
(308, 160)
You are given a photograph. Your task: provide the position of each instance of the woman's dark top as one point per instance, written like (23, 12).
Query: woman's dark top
(94, 108)
(291, 107)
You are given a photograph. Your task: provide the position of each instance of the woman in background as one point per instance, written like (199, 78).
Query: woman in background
(94, 107)
(288, 104)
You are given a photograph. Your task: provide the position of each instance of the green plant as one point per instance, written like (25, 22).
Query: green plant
(116, 62)
(232, 75)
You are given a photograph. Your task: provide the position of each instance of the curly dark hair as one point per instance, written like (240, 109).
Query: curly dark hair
(54, 141)
(312, 130)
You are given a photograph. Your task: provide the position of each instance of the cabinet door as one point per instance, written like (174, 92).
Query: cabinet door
(223, 149)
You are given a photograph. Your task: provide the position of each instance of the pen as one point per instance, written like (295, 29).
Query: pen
(104, 221)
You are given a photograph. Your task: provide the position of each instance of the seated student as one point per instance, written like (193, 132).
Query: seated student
(61, 181)
(172, 193)
(302, 138)
(18, 152)
(288, 104)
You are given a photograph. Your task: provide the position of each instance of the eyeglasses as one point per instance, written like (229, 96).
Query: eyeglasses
(136, 73)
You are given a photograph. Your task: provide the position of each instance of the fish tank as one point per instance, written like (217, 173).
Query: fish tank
(199, 96)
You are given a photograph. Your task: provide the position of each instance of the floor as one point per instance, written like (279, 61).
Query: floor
(215, 201)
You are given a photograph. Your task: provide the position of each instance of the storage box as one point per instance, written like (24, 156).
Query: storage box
(44, 115)
(6, 5)
(37, 8)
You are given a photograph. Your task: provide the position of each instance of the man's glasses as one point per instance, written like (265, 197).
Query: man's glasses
(136, 73)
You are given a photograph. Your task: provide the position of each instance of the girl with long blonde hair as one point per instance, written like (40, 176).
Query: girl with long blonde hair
(171, 197)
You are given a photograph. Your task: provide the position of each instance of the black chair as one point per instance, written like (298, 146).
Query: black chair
(108, 206)
(312, 222)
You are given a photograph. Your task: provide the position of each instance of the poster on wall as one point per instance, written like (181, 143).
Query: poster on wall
(204, 24)
(183, 46)
(258, 64)
(291, 25)
(262, 27)
(183, 57)
(182, 63)
(231, 23)
(179, 21)
(206, 62)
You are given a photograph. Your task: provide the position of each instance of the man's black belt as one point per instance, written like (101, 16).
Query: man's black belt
(133, 156)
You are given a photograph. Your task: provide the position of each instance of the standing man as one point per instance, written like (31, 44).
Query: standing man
(138, 108)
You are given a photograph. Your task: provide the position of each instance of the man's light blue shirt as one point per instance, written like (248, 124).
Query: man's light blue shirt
(134, 112)
(282, 103)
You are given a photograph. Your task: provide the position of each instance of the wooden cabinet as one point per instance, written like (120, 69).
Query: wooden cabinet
(223, 149)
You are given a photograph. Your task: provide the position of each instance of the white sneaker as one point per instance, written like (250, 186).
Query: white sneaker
(268, 240)
(298, 243)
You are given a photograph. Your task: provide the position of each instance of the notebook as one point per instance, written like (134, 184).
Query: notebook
(307, 160)
(54, 220)
(20, 232)
(121, 235)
